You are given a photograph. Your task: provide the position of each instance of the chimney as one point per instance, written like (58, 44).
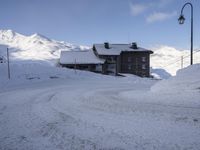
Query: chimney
(106, 44)
(134, 45)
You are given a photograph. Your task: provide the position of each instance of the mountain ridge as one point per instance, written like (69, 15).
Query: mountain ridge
(34, 47)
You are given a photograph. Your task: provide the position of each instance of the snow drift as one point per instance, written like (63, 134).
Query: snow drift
(182, 90)
(160, 73)
(186, 79)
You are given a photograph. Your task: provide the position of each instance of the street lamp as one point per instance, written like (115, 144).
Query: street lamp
(181, 20)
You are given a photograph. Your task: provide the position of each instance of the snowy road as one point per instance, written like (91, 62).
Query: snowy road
(94, 115)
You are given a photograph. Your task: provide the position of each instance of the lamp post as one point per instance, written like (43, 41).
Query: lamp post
(181, 20)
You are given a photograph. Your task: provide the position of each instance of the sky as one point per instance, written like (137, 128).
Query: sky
(150, 23)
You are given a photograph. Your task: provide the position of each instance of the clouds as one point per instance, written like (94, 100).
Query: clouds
(159, 16)
(143, 8)
(163, 3)
(137, 9)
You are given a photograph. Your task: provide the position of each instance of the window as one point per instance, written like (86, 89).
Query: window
(1, 60)
(111, 59)
(143, 59)
(129, 67)
(129, 59)
(98, 68)
(143, 66)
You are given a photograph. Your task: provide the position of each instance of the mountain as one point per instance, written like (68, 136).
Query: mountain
(169, 58)
(35, 47)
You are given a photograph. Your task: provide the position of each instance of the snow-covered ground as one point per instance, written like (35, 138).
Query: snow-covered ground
(103, 112)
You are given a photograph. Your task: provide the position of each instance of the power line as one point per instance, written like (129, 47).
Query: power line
(180, 59)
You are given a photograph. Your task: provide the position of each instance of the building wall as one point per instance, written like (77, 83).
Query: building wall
(110, 65)
(137, 63)
(87, 67)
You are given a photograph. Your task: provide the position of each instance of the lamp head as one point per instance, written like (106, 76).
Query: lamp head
(181, 19)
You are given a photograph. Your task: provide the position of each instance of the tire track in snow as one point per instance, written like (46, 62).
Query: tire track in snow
(67, 123)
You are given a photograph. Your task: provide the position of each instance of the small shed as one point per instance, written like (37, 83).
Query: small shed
(83, 60)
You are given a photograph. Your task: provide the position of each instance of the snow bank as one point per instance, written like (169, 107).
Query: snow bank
(186, 79)
(159, 73)
(28, 72)
(182, 90)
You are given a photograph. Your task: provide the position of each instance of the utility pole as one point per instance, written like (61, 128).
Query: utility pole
(75, 66)
(8, 62)
(181, 62)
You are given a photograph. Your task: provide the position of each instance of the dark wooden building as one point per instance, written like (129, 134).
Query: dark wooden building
(1, 59)
(124, 58)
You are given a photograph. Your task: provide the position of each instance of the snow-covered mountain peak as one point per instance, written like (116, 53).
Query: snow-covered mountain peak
(34, 47)
(7, 32)
(39, 36)
(170, 58)
(167, 51)
(7, 36)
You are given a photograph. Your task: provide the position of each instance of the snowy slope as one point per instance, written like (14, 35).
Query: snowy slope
(32, 58)
(35, 47)
(180, 90)
(185, 79)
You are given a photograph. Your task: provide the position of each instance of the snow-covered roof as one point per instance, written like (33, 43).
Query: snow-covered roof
(116, 49)
(79, 57)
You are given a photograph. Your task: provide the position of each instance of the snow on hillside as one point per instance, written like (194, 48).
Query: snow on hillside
(35, 47)
(33, 59)
(169, 58)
